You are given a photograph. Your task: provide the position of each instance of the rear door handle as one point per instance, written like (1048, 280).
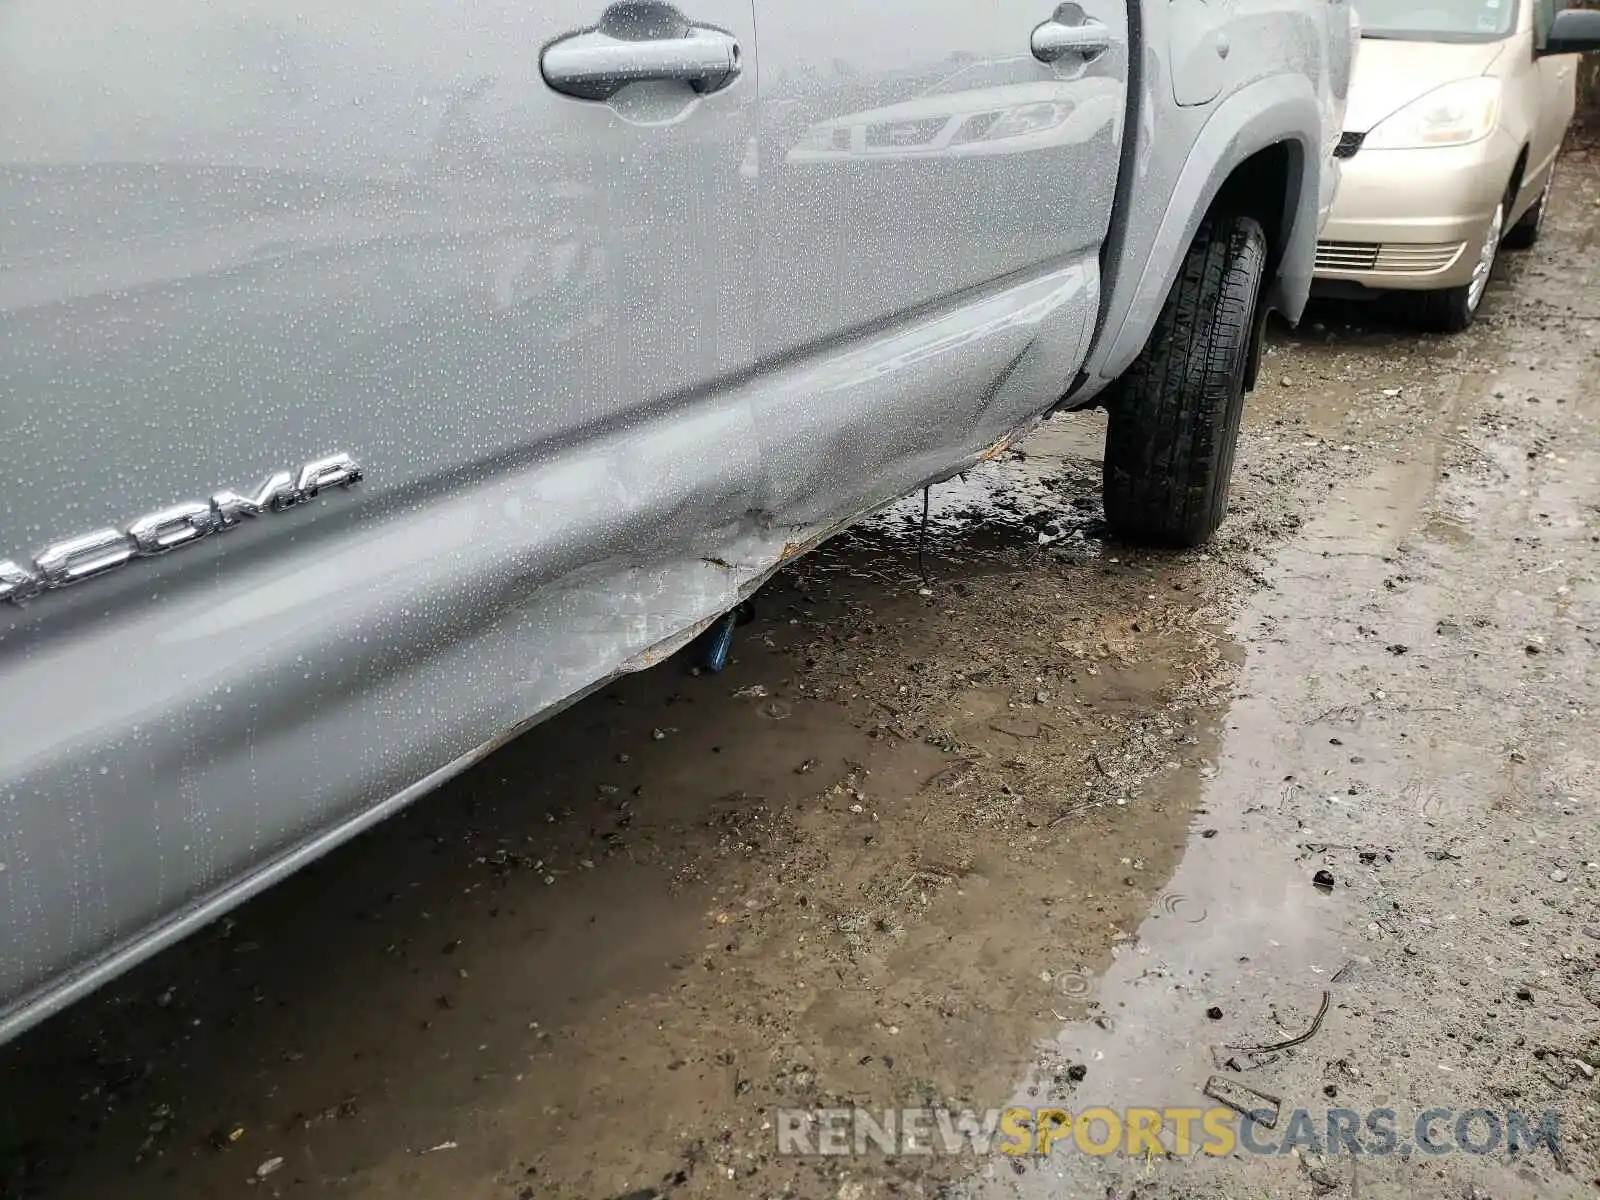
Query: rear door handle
(1070, 32)
(596, 65)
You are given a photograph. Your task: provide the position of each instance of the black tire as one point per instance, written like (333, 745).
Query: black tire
(1525, 233)
(1450, 310)
(1174, 417)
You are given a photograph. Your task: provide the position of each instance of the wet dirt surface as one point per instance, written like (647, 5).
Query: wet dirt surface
(1040, 826)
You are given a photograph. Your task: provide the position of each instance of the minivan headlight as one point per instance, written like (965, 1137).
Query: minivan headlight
(1453, 115)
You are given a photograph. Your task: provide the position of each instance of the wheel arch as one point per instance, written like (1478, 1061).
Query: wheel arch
(1267, 187)
(1519, 177)
(1261, 149)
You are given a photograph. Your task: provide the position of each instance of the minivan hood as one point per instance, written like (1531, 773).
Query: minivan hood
(1391, 74)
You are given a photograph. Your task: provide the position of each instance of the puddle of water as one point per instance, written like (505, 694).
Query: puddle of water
(1455, 528)
(1044, 493)
(1240, 945)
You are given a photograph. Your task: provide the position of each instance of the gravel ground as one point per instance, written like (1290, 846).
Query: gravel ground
(1003, 815)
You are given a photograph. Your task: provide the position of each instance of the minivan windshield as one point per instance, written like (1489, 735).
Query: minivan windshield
(1437, 20)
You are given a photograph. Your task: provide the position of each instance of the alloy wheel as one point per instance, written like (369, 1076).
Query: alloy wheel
(1485, 263)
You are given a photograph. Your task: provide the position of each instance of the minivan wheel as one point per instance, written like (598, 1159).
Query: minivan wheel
(1450, 310)
(1525, 232)
(1174, 417)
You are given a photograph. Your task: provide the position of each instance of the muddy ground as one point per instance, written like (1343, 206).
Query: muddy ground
(1039, 826)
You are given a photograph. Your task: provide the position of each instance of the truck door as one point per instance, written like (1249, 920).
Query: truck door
(918, 159)
(462, 244)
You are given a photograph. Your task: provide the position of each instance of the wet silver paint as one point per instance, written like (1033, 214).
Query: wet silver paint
(1286, 80)
(605, 366)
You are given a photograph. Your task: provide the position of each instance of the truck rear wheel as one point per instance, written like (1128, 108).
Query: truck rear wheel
(1174, 417)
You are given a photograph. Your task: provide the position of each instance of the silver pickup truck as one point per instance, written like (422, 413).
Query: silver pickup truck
(376, 379)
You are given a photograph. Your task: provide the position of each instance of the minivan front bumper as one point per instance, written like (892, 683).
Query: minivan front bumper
(1413, 219)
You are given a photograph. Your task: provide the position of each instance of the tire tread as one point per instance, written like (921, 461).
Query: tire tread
(1174, 422)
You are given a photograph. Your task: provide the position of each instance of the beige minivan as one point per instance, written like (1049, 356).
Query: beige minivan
(1456, 115)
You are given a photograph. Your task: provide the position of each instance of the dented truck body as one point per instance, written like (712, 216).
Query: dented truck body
(571, 368)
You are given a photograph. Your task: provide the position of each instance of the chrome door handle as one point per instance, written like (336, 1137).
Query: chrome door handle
(596, 65)
(1054, 40)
